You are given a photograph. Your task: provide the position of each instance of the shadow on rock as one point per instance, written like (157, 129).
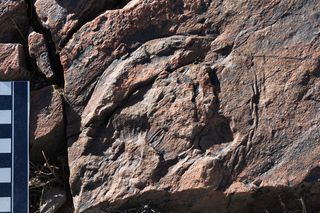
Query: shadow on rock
(302, 198)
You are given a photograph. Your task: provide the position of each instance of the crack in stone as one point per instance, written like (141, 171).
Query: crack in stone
(255, 99)
(195, 88)
(57, 68)
(52, 52)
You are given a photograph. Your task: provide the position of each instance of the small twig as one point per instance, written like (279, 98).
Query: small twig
(304, 209)
(18, 29)
(48, 165)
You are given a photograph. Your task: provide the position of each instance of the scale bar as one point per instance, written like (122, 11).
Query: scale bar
(5, 175)
(5, 145)
(5, 116)
(5, 204)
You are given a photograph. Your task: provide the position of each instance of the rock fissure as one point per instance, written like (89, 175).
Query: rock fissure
(38, 81)
(195, 88)
(52, 51)
(69, 203)
(254, 102)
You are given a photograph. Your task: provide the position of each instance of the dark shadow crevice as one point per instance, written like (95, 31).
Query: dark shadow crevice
(268, 199)
(52, 52)
(39, 80)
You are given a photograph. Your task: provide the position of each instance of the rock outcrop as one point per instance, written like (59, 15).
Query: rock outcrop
(192, 100)
(176, 106)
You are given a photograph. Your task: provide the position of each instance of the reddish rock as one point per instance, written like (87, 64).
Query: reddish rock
(194, 106)
(47, 130)
(13, 21)
(39, 52)
(12, 62)
(111, 36)
(63, 17)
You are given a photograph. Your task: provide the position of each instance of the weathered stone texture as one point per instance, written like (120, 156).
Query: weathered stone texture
(63, 17)
(191, 104)
(13, 62)
(13, 21)
(39, 52)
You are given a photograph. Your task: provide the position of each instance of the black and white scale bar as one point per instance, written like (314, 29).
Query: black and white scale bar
(14, 148)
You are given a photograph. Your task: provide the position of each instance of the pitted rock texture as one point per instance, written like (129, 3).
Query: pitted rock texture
(47, 128)
(193, 105)
(13, 62)
(39, 52)
(13, 21)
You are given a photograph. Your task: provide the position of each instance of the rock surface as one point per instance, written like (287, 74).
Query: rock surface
(52, 200)
(64, 17)
(47, 128)
(13, 62)
(194, 105)
(13, 21)
(181, 106)
(39, 52)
